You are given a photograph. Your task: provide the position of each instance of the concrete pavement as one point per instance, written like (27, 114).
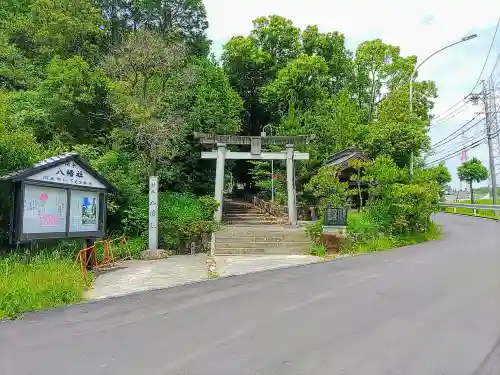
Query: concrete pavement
(242, 264)
(141, 275)
(424, 310)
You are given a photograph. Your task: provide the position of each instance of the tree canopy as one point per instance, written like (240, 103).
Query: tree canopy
(126, 83)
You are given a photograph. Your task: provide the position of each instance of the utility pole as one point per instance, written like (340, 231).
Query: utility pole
(490, 135)
(494, 118)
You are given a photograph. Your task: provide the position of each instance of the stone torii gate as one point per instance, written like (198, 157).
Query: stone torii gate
(256, 142)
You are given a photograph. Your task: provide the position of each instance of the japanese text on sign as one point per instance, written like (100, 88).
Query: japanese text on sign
(335, 216)
(70, 173)
(153, 213)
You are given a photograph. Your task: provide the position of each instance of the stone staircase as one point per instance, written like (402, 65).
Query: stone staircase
(249, 231)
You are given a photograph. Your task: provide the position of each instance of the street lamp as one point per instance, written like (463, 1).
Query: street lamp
(271, 133)
(464, 39)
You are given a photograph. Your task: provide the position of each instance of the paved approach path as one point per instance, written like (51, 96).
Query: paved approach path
(425, 310)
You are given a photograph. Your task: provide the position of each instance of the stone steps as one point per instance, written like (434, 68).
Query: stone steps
(249, 231)
(255, 222)
(264, 251)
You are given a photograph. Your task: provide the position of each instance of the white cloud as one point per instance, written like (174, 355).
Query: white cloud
(418, 28)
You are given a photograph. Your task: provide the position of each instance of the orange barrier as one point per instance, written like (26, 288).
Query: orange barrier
(123, 242)
(90, 259)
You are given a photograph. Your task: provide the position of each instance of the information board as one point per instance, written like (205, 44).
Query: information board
(84, 211)
(44, 210)
(335, 217)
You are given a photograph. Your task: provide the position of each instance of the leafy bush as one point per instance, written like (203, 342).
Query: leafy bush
(399, 204)
(314, 232)
(326, 187)
(362, 223)
(181, 218)
(136, 246)
(318, 251)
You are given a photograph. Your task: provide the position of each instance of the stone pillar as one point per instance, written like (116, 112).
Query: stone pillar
(292, 207)
(153, 213)
(219, 179)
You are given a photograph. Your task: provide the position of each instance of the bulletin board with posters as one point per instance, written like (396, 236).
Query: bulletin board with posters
(60, 197)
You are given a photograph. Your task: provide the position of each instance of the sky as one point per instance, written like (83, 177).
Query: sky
(419, 29)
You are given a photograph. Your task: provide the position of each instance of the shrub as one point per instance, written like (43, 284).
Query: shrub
(399, 204)
(362, 223)
(326, 187)
(314, 232)
(318, 251)
(181, 218)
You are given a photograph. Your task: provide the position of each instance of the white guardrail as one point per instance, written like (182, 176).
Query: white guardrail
(473, 207)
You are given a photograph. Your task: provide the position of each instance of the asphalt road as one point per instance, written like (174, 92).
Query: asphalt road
(424, 310)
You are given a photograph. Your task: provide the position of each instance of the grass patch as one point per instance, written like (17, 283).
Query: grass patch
(366, 236)
(136, 246)
(40, 282)
(213, 274)
(318, 251)
(481, 213)
(380, 242)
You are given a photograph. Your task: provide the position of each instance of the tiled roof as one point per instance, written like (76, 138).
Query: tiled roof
(53, 160)
(343, 157)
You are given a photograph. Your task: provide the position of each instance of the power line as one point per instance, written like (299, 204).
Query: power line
(443, 141)
(488, 55)
(443, 114)
(462, 143)
(494, 67)
(451, 115)
(469, 147)
(461, 146)
(482, 70)
(449, 156)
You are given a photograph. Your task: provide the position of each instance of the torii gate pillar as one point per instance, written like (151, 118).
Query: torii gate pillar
(219, 179)
(290, 183)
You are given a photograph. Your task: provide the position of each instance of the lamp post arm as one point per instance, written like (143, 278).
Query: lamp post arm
(464, 39)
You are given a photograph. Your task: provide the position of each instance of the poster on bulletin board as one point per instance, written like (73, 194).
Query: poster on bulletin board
(84, 213)
(44, 210)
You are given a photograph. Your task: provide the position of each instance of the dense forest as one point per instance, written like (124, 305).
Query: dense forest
(125, 83)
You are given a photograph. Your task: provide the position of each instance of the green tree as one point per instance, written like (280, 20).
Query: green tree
(70, 104)
(278, 37)
(438, 173)
(330, 46)
(182, 21)
(326, 187)
(42, 29)
(359, 178)
(378, 65)
(143, 56)
(472, 171)
(303, 81)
